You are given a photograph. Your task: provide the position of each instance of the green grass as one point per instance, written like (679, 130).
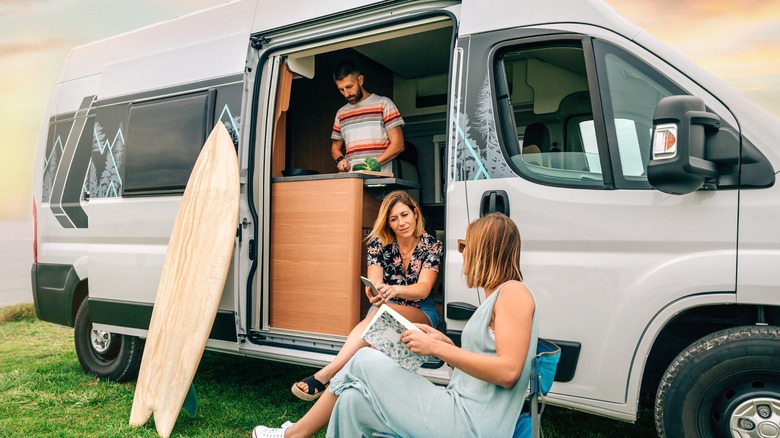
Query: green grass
(17, 312)
(44, 392)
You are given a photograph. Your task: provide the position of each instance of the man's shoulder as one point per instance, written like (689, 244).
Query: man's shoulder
(379, 100)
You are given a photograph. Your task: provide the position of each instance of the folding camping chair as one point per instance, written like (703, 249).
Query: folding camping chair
(542, 374)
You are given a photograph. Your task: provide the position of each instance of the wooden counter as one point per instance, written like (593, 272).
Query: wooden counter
(317, 254)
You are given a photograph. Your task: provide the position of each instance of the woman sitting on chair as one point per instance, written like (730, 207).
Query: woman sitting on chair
(491, 370)
(403, 262)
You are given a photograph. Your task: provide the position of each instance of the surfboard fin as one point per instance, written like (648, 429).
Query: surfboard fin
(191, 402)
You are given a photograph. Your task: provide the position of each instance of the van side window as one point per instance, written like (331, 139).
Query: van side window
(164, 138)
(551, 107)
(546, 89)
(631, 90)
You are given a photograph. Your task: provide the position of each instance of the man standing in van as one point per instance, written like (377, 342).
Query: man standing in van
(368, 125)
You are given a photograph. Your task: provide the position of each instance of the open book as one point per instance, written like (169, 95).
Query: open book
(384, 333)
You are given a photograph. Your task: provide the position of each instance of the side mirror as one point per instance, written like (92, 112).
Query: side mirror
(678, 164)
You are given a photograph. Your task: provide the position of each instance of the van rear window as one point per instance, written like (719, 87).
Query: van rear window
(164, 138)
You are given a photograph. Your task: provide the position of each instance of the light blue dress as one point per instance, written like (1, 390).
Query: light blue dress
(377, 395)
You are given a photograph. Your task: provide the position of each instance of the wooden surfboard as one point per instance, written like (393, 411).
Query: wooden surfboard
(193, 277)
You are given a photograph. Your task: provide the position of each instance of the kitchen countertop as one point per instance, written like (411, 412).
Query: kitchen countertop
(368, 180)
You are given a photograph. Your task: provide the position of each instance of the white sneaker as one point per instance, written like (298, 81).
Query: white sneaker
(267, 432)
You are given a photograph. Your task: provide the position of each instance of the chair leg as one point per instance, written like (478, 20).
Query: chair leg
(535, 417)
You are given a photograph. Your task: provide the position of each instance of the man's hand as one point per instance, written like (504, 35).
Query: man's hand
(336, 151)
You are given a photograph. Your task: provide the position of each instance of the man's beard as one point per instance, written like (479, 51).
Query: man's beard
(356, 98)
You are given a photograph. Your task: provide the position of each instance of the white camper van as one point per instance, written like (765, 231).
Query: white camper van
(643, 187)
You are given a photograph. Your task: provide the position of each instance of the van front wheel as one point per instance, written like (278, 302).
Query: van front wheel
(104, 354)
(725, 384)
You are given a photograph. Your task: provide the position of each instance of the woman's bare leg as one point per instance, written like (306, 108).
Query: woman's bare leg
(355, 342)
(413, 314)
(314, 420)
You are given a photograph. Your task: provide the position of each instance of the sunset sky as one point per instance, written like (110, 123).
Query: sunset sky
(737, 40)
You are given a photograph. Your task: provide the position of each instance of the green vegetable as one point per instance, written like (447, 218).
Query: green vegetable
(373, 164)
(359, 166)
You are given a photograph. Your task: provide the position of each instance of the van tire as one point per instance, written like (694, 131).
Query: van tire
(103, 354)
(701, 391)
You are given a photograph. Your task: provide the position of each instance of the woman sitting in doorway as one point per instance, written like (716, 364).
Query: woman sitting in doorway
(373, 393)
(403, 262)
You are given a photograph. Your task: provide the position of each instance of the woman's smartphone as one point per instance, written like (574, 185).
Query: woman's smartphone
(370, 285)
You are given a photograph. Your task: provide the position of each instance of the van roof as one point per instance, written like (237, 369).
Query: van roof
(231, 22)
(239, 18)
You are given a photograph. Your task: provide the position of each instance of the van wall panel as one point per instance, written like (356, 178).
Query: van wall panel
(186, 64)
(74, 91)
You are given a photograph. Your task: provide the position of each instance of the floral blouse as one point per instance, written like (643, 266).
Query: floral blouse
(427, 254)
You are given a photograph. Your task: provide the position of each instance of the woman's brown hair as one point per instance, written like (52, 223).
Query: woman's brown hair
(382, 228)
(492, 253)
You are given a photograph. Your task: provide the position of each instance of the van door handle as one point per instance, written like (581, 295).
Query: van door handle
(494, 201)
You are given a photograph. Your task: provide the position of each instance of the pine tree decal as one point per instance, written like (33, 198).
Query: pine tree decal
(107, 186)
(110, 184)
(51, 171)
(118, 152)
(490, 154)
(98, 140)
(232, 129)
(467, 166)
(92, 181)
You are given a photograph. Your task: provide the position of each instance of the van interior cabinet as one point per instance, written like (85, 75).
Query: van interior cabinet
(317, 253)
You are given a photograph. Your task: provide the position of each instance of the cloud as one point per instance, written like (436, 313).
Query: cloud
(690, 20)
(761, 60)
(17, 48)
(745, 10)
(737, 40)
(20, 7)
(669, 11)
(13, 7)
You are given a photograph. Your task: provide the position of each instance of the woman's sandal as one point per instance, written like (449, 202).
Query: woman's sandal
(312, 385)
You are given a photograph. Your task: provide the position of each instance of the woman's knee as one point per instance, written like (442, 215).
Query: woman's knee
(351, 397)
(352, 415)
(367, 356)
(367, 361)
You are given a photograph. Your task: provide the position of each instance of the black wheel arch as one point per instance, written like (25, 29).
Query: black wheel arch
(80, 293)
(57, 292)
(690, 326)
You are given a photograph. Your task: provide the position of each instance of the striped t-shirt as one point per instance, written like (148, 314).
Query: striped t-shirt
(363, 128)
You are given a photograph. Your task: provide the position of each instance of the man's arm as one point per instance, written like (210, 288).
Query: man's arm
(396, 136)
(336, 152)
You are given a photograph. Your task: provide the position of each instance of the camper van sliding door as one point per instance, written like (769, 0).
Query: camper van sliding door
(555, 131)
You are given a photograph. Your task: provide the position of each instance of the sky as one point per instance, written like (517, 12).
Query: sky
(737, 40)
